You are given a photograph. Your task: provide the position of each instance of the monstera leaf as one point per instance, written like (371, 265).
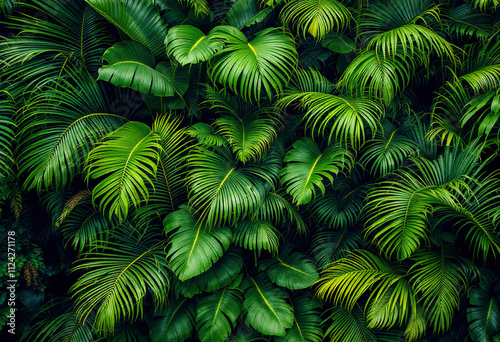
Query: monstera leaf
(193, 249)
(307, 165)
(265, 307)
(132, 65)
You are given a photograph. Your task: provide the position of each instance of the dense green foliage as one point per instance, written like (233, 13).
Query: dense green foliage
(251, 170)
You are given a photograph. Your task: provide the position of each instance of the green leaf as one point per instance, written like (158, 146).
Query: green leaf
(251, 68)
(216, 314)
(205, 134)
(291, 270)
(307, 165)
(116, 278)
(265, 307)
(246, 13)
(193, 249)
(307, 324)
(139, 19)
(132, 65)
(348, 326)
(317, 17)
(174, 323)
(338, 43)
(125, 162)
(189, 45)
(256, 235)
(483, 313)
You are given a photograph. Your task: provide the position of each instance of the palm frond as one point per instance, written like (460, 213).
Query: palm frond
(316, 17)
(189, 45)
(307, 324)
(348, 325)
(256, 235)
(173, 323)
(125, 162)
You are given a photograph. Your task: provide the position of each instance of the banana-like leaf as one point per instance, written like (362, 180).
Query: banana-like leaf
(216, 314)
(317, 17)
(132, 65)
(439, 279)
(117, 276)
(193, 249)
(256, 235)
(174, 323)
(307, 165)
(307, 324)
(251, 68)
(348, 326)
(138, 19)
(189, 45)
(484, 311)
(291, 270)
(265, 307)
(127, 160)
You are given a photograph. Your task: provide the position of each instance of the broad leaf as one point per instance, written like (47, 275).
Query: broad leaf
(338, 43)
(216, 314)
(291, 270)
(174, 323)
(139, 19)
(189, 45)
(132, 65)
(265, 307)
(193, 249)
(307, 165)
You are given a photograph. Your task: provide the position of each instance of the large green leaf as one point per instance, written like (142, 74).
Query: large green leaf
(484, 311)
(317, 17)
(117, 276)
(139, 19)
(252, 68)
(125, 162)
(174, 323)
(307, 324)
(189, 45)
(291, 270)
(216, 314)
(193, 249)
(132, 65)
(265, 307)
(307, 165)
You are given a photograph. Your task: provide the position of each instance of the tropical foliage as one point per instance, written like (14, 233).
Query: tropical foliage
(250, 170)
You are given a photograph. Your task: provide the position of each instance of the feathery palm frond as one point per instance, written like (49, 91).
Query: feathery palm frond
(189, 45)
(256, 235)
(7, 109)
(245, 13)
(315, 17)
(307, 324)
(117, 277)
(173, 323)
(331, 245)
(348, 325)
(127, 159)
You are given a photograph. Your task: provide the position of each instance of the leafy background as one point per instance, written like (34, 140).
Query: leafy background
(248, 170)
